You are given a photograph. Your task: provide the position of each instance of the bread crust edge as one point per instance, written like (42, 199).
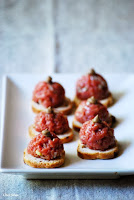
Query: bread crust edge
(66, 109)
(65, 139)
(77, 127)
(98, 154)
(43, 164)
(106, 102)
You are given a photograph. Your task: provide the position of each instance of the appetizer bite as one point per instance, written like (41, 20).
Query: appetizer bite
(54, 122)
(93, 84)
(97, 140)
(44, 151)
(48, 93)
(88, 109)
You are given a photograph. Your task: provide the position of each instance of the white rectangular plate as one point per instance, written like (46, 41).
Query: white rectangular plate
(17, 116)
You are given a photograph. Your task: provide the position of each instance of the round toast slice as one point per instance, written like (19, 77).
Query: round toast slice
(106, 102)
(65, 137)
(77, 125)
(42, 163)
(66, 108)
(90, 154)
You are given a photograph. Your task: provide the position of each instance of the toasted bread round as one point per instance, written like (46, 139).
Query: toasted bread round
(86, 153)
(42, 163)
(77, 125)
(66, 108)
(106, 102)
(77, 101)
(65, 137)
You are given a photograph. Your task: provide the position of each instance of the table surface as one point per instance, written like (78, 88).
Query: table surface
(65, 36)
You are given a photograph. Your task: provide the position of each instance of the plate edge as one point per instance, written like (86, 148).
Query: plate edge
(3, 114)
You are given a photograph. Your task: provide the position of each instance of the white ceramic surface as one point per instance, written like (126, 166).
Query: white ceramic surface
(17, 116)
